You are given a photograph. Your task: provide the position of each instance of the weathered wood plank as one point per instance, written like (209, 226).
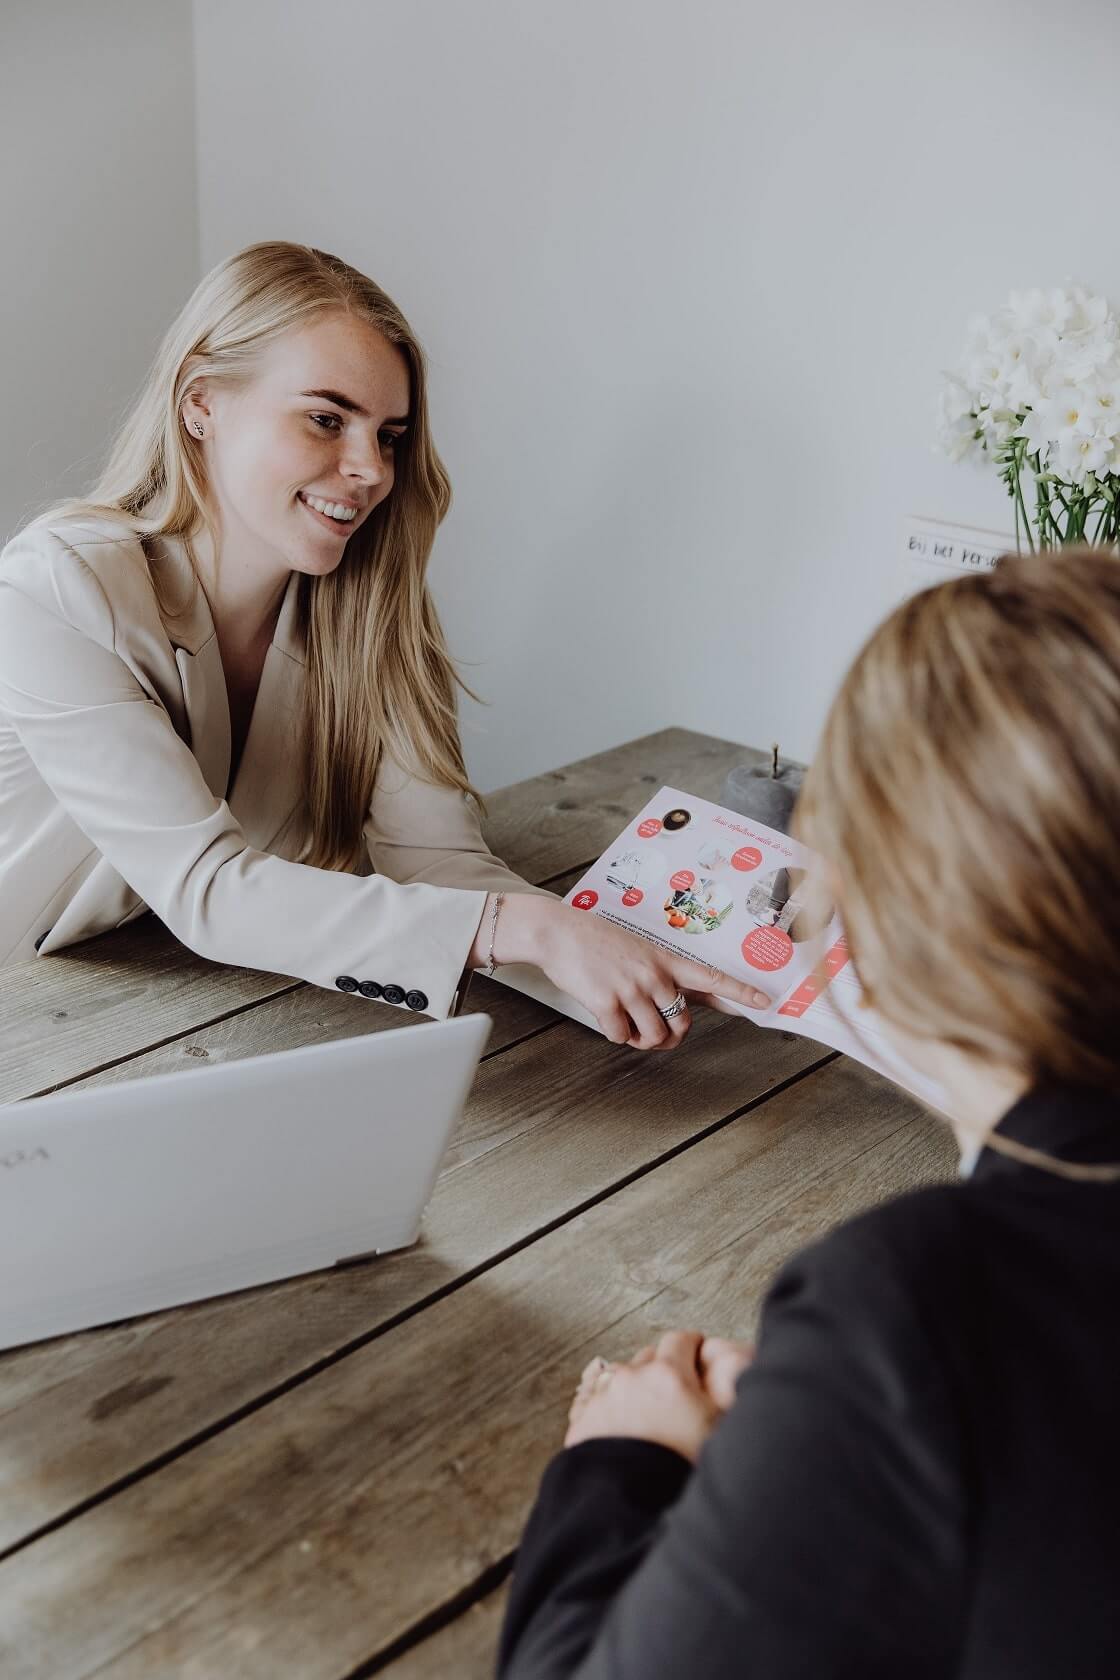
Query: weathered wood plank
(309, 1015)
(465, 1648)
(132, 990)
(111, 997)
(538, 825)
(79, 1413)
(308, 1537)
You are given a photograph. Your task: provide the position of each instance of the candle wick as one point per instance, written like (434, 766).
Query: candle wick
(774, 766)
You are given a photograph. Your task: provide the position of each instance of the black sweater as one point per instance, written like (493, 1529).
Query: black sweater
(919, 1478)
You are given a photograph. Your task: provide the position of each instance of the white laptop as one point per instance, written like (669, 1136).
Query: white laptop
(123, 1199)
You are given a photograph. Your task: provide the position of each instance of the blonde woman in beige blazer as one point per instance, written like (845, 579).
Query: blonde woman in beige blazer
(225, 697)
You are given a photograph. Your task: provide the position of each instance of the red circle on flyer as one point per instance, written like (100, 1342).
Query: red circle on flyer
(747, 857)
(632, 896)
(768, 948)
(586, 900)
(649, 828)
(682, 880)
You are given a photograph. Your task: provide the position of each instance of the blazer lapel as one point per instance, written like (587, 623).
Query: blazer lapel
(207, 704)
(190, 629)
(268, 786)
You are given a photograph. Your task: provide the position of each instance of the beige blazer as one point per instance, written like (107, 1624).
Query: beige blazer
(114, 764)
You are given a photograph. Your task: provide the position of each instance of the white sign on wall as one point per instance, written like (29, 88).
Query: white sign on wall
(935, 550)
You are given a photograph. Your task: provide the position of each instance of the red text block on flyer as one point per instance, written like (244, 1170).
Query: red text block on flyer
(811, 988)
(768, 948)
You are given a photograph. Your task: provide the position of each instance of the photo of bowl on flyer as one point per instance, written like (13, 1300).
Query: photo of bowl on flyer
(697, 909)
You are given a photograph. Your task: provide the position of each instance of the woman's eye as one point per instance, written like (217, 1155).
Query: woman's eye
(390, 440)
(327, 422)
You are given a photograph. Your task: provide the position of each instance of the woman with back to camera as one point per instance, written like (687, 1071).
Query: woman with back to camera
(918, 1473)
(224, 693)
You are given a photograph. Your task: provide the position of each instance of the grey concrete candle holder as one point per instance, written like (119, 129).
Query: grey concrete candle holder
(767, 792)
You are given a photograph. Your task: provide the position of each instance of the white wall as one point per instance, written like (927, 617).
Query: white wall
(687, 274)
(100, 227)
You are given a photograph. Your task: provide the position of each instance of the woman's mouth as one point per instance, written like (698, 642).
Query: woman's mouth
(336, 516)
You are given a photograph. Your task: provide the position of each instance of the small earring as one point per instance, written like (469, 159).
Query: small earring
(198, 427)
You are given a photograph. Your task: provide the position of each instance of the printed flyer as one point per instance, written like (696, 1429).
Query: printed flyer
(707, 883)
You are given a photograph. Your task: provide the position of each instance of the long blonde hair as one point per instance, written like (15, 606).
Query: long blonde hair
(379, 676)
(967, 795)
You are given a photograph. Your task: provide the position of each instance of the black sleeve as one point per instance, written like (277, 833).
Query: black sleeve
(822, 1533)
(613, 1489)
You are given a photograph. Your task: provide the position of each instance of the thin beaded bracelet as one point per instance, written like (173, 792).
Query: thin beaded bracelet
(489, 969)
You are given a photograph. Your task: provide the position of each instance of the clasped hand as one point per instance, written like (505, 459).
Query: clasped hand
(673, 1394)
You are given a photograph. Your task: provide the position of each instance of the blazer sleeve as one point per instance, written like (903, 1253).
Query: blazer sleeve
(110, 755)
(822, 1532)
(417, 832)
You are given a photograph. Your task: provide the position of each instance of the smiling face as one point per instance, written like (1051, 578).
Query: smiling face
(299, 455)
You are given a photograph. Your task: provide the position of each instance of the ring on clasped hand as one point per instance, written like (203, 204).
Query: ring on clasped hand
(677, 1007)
(597, 1374)
(603, 1375)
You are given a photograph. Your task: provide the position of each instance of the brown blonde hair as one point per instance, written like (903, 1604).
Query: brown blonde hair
(966, 793)
(378, 672)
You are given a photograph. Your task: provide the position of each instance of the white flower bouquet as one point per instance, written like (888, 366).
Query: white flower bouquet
(1038, 393)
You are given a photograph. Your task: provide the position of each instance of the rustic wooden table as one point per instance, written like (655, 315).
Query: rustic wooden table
(328, 1477)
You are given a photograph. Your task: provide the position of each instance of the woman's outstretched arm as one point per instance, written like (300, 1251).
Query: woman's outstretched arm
(109, 753)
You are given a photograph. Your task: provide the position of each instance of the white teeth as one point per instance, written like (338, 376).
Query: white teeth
(333, 510)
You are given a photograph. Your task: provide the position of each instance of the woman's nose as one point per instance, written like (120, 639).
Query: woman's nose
(365, 461)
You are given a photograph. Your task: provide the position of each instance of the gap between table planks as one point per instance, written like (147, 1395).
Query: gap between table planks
(111, 998)
(289, 1542)
(80, 1414)
(464, 1644)
(79, 1418)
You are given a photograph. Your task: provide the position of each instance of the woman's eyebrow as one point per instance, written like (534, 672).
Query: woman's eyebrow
(350, 405)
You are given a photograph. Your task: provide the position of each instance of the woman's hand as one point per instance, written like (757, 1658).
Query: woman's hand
(673, 1395)
(620, 977)
(721, 1363)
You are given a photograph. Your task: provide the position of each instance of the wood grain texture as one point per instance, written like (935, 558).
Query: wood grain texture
(108, 998)
(551, 823)
(128, 992)
(310, 1015)
(465, 1648)
(294, 1479)
(308, 1537)
(80, 1413)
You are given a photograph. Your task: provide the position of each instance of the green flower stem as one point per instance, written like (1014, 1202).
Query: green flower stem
(1044, 516)
(1047, 488)
(1062, 512)
(1015, 505)
(1021, 506)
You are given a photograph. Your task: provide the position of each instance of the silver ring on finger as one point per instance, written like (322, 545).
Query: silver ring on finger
(677, 1007)
(597, 1375)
